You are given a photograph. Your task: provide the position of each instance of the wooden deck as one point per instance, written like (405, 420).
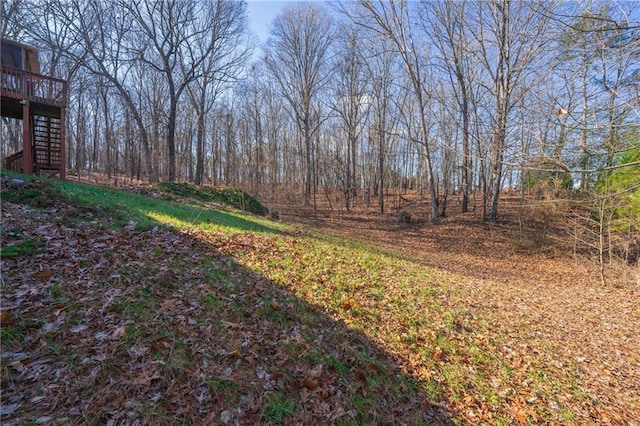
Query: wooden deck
(40, 102)
(36, 88)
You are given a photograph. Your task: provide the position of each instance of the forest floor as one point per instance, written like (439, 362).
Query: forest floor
(538, 302)
(322, 318)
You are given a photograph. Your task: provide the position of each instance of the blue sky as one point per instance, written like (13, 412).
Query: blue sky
(261, 13)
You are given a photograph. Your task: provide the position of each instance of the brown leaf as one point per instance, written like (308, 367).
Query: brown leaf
(438, 355)
(167, 305)
(161, 345)
(145, 379)
(521, 416)
(6, 317)
(45, 274)
(119, 332)
(360, 375)
(232, 325)
(373, 368)
(310, 384)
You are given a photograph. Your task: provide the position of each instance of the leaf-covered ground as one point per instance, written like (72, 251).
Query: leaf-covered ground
(565, 348)
(389, 325)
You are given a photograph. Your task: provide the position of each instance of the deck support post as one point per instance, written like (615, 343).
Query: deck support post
(27, 148)
(63, 154)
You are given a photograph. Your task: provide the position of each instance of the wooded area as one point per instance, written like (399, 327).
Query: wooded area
(391, 212)
(372, 98)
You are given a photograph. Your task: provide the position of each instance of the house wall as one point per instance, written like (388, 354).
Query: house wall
(20, 56)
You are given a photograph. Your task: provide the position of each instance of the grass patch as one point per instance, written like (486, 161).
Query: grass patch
(146, 212)
(143, 212)
(11, 335)
(31, 193)
(27, 247)
(277, 408)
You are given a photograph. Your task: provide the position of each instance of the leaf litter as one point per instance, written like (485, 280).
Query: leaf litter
(162, 326)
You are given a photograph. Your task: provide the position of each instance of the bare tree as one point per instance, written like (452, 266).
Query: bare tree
(296, 55)
(393, 20)
(351, 103)
(382, 70)
(224, 51)
(447, 27)
(174, 38)
(509, 35)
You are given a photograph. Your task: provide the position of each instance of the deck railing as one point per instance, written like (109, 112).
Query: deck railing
(18, 84)
(14, 162)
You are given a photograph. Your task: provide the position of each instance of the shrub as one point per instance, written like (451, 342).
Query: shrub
(404, 217)
(234, 197)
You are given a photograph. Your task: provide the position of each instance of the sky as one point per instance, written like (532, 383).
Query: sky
(261, 13)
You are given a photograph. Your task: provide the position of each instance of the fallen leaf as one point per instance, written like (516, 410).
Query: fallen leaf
(373, 368)
(145, 379)
(521, 416)
(6, 317)
(225, 417)
(360, 375)
(161, 345)
(232, 325)
(310, 384)
(78, 328)
(7, 410)
(438, 355)
(45, 274)
(119, 332)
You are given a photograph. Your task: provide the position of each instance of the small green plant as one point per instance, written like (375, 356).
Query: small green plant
(11, 336)
(214, 275)
(125, 306)
(277, 408)
(337, 365)
(222, 385)
(212, 302)
(364, 405)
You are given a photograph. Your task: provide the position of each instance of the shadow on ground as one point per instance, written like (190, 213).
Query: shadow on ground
(163, 327)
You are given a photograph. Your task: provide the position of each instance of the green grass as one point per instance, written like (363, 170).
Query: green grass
(143, 212)
(11, 336)
(23, 248)
(147, 212)
(278, 408)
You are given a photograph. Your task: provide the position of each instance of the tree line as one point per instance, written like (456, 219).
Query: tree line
(451, 99)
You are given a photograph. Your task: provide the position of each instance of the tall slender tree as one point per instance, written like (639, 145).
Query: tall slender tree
(296, 54)
(393, 20)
